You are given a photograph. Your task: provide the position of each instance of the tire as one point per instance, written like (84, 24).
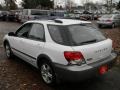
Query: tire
(113, 25)
(99, 25)
(8, 51)
(47, 73)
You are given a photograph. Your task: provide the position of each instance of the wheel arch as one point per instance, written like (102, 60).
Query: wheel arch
(41, 59)
(5, 41)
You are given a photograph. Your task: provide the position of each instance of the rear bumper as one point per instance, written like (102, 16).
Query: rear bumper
(79, 73)
(105, 23)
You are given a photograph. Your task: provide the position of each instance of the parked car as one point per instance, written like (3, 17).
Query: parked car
(62, 49)
(18, 14)
(11, 16)
(111, 20)
(37, 14)
(33, 14)
(3, 15)
(96, 16)
(56, 14)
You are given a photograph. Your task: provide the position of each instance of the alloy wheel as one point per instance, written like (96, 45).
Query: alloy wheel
(46, 73)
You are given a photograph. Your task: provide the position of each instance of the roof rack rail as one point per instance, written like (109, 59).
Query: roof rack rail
(58, 21)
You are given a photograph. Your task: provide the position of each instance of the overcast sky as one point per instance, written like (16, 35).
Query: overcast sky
(76, 1)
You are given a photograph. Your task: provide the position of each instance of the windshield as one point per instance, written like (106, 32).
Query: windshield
(39, 12)
(57, 13)
(74, 35)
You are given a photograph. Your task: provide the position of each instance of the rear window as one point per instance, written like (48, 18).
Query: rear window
(75, 35)
(107, 16)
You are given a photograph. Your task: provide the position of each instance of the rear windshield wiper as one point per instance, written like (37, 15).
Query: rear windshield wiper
(90, 41)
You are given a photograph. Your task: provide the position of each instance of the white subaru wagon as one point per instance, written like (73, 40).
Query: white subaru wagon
(62, 49)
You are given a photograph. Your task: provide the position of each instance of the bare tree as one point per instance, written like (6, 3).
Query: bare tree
(11, 4)
(109, 4)
(70, 4)
(118, 5)
(85, 1)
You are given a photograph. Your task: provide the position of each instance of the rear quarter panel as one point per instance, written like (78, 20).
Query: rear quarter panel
(56, 52)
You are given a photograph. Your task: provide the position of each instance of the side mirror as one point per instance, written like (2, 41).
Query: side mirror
(11, 34)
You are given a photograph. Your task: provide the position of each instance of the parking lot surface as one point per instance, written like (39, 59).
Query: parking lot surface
(15, 74)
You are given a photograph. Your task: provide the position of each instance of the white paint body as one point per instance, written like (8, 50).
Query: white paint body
(96, 51)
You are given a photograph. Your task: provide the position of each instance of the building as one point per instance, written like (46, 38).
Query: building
(64, 3)
(59, 3)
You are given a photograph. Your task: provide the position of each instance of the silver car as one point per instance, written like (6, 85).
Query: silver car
(111, 20)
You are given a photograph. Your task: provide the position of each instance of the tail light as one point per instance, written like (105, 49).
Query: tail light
(108, 21)
(74, 57)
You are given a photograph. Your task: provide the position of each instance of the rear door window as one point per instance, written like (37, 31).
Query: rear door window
(37, 32)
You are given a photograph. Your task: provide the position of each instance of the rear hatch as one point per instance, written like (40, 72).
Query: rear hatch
(96, 51)
(106, 18)
(84, 38)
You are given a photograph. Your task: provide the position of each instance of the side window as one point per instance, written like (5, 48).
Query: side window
(24, 30)
(37, 32)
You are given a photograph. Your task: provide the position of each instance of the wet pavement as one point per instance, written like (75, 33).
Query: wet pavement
(16, 74)
(6, 27)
